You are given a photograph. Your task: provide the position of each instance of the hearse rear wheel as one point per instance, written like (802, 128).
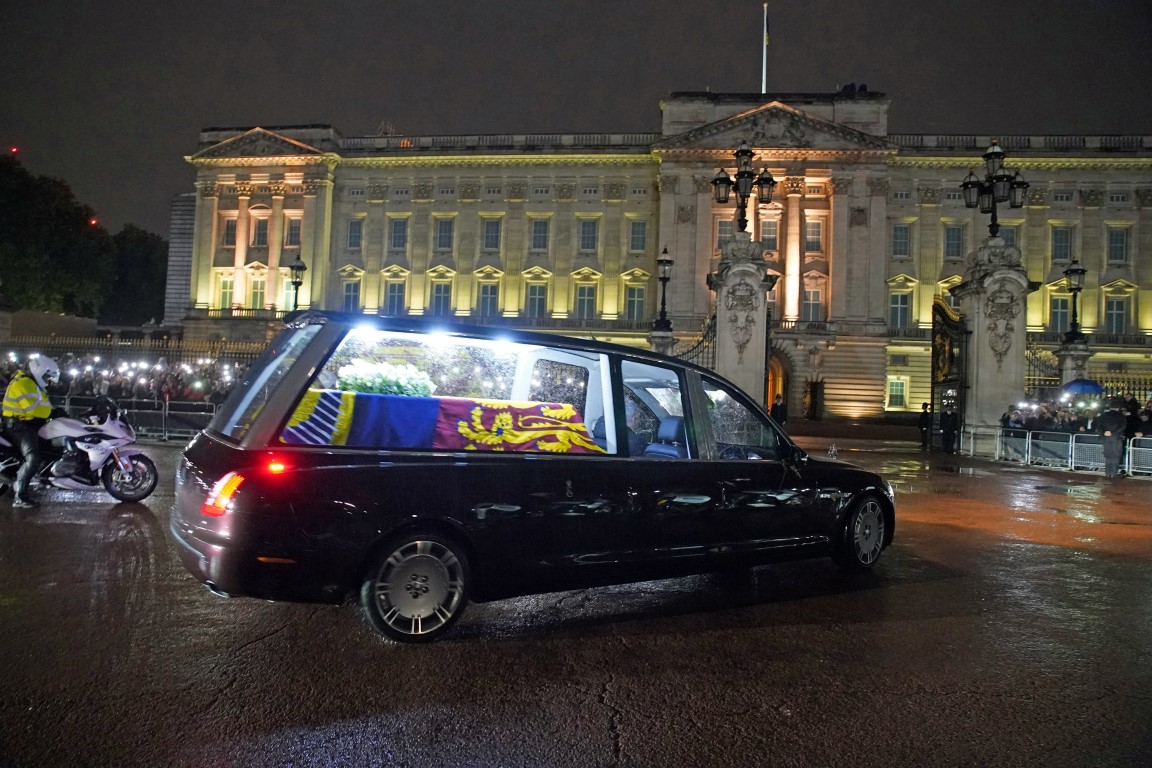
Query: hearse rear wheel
(862, 538)
(416, 588)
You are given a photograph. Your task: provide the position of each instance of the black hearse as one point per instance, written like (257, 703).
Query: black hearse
(417, 466)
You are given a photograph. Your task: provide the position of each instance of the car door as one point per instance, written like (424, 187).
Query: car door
(763, 504)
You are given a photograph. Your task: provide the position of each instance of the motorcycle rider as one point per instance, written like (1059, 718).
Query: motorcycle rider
(26, 408)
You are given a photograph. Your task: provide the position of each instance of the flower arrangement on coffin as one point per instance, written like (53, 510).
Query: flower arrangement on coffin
(384, 379)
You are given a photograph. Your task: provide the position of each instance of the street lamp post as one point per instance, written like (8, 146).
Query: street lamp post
(999, 185)
(745, 180)
(664, 273)
(297, 268)
(1074, 275)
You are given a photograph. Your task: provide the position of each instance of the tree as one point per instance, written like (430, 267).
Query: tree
(53, 256)
(141, 272)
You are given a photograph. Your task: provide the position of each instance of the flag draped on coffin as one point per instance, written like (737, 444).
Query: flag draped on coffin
(328, 417)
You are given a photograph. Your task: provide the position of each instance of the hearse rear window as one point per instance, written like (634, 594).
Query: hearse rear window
(250, 396)
(417, 391)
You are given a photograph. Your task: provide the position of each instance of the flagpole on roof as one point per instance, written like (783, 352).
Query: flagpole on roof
(764, 55)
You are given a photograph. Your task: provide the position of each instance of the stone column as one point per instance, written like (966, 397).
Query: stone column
(993, 297)
(1073, 357)
(794, 188)
(204, 245)
(741, 314)
(239, 284)
(275, 244)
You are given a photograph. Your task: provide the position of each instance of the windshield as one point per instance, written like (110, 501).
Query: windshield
(235, 416)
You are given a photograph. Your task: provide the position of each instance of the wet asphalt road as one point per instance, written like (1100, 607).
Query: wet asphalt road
(1010, 624)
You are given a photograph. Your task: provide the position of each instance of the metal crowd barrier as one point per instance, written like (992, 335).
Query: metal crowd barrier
(1071, 450)
(155, 419)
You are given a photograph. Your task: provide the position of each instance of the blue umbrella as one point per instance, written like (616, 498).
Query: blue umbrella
(1083, 387)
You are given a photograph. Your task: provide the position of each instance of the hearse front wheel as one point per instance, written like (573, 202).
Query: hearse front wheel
(862, 538)
(416, 588)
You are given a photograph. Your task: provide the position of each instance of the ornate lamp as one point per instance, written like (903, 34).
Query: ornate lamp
(297, 268)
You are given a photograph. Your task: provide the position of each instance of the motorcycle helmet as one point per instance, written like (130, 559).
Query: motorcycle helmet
(44, 370)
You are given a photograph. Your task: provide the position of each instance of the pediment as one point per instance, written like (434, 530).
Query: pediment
(257, 142)
(775, 125)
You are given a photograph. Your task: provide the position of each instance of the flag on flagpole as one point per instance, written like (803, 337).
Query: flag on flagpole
(765, 25)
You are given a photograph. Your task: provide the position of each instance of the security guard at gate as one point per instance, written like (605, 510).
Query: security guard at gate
(26, 408)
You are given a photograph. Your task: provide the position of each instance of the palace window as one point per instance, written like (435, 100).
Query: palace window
(256, 293)
(812, 308)
(634, 302)
(725, 230)
(769, 228)
(355, 234)
(487, 303)
(1061, 244)
(1061, 197)
(589, 235)
(226, 284)
(1118, 244)
(536, 300)
(638, 236)
(900, 309)
(585, 302)
(1058, 313)
(398, 234)
(229, 231)
(1008, 235)
(954, 241)
(539, 234)
(901, 241)
(441, 298)
(1116, 315)
(260, 233)
(491, 234)
(351, 295)
(814, 235)
(292, 233)
(394, 299)
(897, 392)
(444, 232)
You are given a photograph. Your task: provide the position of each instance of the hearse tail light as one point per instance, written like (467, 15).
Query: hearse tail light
(276, 466)
(220, 497)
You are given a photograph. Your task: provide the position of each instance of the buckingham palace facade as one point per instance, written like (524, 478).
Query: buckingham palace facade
(866, 230)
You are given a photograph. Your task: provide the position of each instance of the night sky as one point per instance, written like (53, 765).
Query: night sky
(110, 96)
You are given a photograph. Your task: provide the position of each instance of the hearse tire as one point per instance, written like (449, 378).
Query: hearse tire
(416, 587)
(861, 540)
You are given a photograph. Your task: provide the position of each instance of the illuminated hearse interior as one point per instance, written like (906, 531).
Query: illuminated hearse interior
(388, 389)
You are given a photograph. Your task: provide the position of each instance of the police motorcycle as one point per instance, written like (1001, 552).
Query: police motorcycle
(97, 449)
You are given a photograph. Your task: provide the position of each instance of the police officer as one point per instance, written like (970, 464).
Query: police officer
(26, 408)
(1110, 426)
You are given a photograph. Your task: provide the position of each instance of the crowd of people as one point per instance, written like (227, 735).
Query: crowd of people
(1078, 416)
(93, 376)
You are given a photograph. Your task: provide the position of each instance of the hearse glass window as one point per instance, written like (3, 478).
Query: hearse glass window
(422, 391)
(236, 414)
(739, 431)
(654, 408)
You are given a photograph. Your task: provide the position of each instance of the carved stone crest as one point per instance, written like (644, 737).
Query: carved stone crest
(778, 130)
(929, 195)
(1037, 197)
(516, 191)
(794, 185)
(1144, 197)
(565, 191)
(878, 187)
(685, 213)
(1000, 310)
(614, 191)
(741, 302)
(859, 217)
(1091, 198)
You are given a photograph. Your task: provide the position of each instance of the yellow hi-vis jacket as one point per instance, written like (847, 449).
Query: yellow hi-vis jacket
(25, 400)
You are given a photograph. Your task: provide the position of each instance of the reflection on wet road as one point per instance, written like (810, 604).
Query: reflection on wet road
(1010, 624)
